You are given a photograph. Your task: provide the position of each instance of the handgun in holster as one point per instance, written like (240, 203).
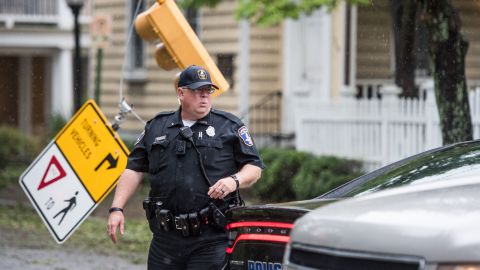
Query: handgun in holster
(146, 206)
(165, 219)
(219, 219)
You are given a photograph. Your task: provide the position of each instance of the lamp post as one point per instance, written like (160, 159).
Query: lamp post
(76, 6)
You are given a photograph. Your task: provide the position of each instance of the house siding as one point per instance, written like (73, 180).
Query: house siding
(220, 34)
(374, 41)
(469, 11)
(374, 46)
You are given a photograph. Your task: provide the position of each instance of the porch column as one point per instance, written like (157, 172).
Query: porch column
(306, 64)
(25, 95)
(62, 93)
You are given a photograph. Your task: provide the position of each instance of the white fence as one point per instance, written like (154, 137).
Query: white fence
(375, 131)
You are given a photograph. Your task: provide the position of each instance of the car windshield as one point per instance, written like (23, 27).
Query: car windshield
(459, 160)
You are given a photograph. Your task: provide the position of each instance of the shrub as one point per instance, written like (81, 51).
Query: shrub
(11, 174)
(55, 124)
(16, 152)
(319, 175)
(15, 148)
(281, 167)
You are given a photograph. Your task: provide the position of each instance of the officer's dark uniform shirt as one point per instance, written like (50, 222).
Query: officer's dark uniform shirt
(175, 178)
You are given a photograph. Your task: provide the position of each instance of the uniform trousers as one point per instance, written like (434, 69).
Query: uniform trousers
(171, 250)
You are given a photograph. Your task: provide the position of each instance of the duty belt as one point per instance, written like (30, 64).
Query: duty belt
(189, 224)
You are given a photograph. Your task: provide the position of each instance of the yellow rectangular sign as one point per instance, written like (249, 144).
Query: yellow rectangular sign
(94, 150)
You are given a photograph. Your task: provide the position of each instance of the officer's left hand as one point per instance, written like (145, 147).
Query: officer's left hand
(222, 188)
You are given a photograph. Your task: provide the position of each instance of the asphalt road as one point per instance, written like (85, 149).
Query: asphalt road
(37, 259)
(27, 252)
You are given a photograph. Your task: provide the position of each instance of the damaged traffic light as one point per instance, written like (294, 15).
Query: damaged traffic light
(180, 45)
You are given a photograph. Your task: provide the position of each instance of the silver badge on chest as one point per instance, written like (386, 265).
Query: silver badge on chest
(210, 131)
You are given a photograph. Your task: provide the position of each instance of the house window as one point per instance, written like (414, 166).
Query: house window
(225, 64)
(136, 53)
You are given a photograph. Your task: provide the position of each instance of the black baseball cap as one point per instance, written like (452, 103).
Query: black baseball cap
(194, 77)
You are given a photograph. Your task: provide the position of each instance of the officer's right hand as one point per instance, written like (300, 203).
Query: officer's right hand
(115, 220)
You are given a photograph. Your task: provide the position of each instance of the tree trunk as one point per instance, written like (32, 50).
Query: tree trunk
(447, 48)
(404, 14)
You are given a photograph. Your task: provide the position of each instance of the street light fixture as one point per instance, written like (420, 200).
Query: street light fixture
(76, 6)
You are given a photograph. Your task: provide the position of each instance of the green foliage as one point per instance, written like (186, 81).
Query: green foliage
(292, 175)
(322, 174)
(11, 174)
(55, 124)
(268, 12)
(15, 148)
(281, 166)
(197, 3)
(17, 151)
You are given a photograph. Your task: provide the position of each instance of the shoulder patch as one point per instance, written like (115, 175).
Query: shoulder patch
(243, 133)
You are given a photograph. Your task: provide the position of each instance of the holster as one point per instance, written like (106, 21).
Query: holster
(219, 220)
(205, 215)
(149, 211)
(194, 222)
(181, 223)
(164, 218)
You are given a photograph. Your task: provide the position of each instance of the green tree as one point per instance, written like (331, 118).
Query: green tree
(448, 48)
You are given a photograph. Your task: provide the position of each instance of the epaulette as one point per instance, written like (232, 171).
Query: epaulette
(160, 114)
(227, 115)
(164, 113)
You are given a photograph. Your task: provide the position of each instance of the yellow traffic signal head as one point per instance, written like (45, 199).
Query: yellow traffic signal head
(181, 47)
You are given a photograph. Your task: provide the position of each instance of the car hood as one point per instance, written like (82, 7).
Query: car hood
(289, 211)
(437, 221)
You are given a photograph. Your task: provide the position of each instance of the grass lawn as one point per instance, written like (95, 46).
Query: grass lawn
(21, 226)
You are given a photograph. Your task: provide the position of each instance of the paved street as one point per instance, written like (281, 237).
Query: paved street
(36, 259)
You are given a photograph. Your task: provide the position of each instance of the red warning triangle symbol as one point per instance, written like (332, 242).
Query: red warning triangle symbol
(53, 173)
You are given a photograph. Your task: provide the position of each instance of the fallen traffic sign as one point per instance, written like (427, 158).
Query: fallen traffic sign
(75, 172)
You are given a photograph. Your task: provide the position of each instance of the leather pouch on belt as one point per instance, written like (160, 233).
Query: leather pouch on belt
(219, 219)
(181, 223)
(194, 222)
(165, 219)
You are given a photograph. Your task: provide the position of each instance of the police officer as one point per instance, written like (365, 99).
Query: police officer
(197, 158)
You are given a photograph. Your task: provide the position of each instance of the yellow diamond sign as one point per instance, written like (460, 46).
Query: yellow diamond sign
(95, 152)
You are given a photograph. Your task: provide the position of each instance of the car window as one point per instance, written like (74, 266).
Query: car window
(442, 163)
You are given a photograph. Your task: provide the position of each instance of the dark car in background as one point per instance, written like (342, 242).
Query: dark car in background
(258, 234)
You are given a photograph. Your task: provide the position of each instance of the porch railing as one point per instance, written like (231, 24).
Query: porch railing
(35, 11)
(377, 131)
(265, 121)
(29, 10)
